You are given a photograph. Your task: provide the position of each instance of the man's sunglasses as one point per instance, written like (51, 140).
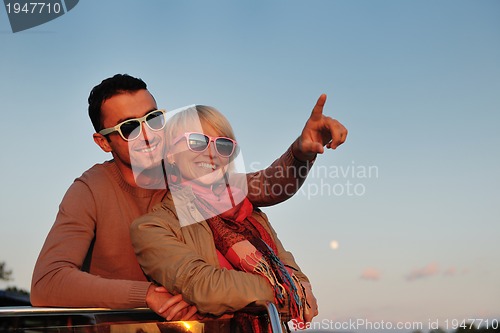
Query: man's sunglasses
(198, 142)
(131, 129)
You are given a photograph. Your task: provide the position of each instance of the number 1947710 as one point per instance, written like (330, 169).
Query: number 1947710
(33, 8)
(470, 323)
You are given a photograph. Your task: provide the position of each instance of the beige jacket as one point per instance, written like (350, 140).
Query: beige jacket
(184, 260)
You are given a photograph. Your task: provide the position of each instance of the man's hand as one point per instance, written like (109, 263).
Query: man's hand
(319, 131)
(176, 307)
(168, 306)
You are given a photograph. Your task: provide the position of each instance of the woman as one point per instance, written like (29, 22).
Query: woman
(205, 240)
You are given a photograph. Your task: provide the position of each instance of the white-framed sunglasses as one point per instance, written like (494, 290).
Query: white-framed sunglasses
(131, 129)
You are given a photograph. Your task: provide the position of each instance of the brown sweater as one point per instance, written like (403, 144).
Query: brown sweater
(88, 260)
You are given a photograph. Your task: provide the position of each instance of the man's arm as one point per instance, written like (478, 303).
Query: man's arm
(58, 279)
(282, 179)
(279, 181)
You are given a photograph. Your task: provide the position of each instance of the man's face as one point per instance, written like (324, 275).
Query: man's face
(148, 149)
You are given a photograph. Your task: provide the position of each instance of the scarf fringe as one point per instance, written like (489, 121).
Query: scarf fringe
(283, 282)
(265, 270)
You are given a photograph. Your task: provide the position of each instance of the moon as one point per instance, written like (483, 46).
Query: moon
(334, 245)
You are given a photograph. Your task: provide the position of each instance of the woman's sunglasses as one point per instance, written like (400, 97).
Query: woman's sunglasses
(131, 129)
(198, 142)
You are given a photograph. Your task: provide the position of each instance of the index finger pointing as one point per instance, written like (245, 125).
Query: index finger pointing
(317, 111)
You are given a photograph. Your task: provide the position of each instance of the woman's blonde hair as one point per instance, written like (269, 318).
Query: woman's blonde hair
(195, 117)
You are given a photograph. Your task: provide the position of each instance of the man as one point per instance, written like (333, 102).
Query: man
(87, 259)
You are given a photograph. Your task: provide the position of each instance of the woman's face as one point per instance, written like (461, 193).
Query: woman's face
(205, 168)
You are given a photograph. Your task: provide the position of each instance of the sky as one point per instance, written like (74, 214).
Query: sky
(400, 224)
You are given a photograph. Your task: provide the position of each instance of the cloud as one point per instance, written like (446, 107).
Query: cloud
(370, 273)
(423, 272)
(450, 271)
(454, 271)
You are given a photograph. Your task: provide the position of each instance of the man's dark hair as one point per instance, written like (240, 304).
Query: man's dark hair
(118, 84)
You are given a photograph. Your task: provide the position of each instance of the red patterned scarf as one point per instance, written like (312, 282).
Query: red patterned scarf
(247, 245)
